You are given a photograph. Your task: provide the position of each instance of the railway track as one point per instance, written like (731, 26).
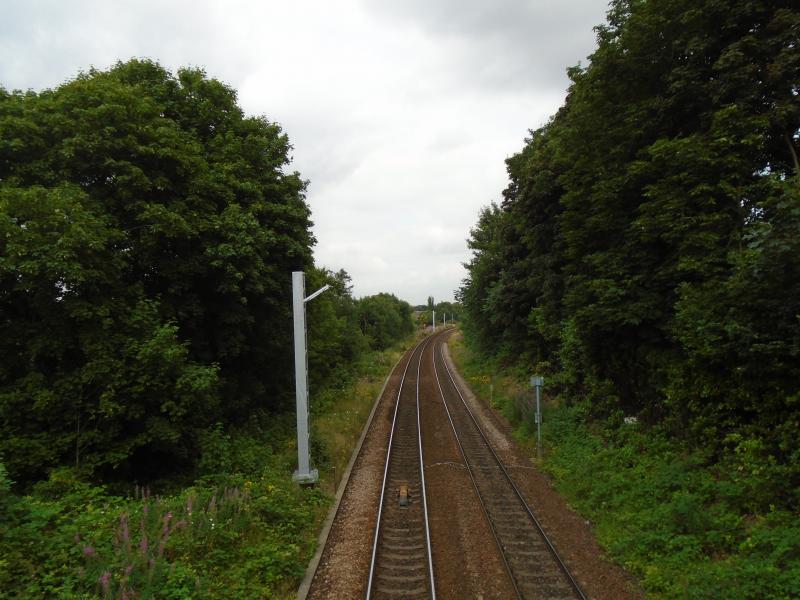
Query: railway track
(535, 569)
(401, 565)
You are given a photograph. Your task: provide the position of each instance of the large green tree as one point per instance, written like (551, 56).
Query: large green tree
(384, 319)
(147, 232)
(646, 245)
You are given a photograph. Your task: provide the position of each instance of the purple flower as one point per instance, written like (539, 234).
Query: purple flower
(105, 581)
(123, 523)
(143, 544)
(88, 551)
(128, 570)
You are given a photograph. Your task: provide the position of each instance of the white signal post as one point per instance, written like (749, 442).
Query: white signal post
(537, 382)
(303, 475)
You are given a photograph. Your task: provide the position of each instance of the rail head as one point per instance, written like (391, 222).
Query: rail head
(422, 344)
(492, 528)
(551, 547)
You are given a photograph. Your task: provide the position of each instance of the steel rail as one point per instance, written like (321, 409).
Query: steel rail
(559, 561)
(422, 476)
(475, 483)
(422, 344)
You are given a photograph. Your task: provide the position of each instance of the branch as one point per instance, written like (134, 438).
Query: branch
(793, 151)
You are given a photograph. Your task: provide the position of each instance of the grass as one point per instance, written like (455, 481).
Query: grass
(339, 415)
(687, 524)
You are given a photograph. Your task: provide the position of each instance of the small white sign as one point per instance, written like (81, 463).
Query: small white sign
(537, 381)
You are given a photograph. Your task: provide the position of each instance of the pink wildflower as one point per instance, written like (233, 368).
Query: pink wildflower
(105, 581)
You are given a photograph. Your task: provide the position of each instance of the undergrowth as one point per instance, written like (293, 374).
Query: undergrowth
(242, 530)
(687, 524)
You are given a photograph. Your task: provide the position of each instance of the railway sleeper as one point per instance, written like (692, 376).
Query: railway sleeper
(405, 571)
(405, 531)
(418, 578)
(543, 591)
(527, 555)
(401, 547)
(398, 556)
(404, 592)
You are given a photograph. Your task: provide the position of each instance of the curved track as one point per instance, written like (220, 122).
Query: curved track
(401, 565)
(535, 569)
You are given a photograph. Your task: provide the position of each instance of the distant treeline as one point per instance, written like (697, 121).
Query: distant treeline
(148, 231)
(647, 248)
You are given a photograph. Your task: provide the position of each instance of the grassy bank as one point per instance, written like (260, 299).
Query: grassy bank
(242, 529)
(684, 522)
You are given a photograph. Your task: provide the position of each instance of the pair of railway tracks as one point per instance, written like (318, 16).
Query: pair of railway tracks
(402, 563)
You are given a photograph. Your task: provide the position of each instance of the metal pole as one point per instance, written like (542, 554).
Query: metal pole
(538, 382)
(538, 421)
(304, 474)
(433, 319)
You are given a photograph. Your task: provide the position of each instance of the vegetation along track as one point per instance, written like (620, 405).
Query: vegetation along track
(535, 569)
(401, 564)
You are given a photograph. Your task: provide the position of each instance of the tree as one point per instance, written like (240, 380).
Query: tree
(645, 245)
(148, 232)
(384, 319)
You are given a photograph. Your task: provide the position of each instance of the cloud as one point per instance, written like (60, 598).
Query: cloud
(510, 44)
(401, 114)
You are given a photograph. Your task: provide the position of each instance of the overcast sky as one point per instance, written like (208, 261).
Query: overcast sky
(401, 112)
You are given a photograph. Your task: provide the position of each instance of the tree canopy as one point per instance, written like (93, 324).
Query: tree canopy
(384, 318)
(148, 229)
(646, 247)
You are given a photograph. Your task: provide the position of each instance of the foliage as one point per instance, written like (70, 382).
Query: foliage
(335, 340)
(147, 230)
(670, 514)
(243, 529)
(384, 319)
(650, 264)
(248, 539)
(147, 233)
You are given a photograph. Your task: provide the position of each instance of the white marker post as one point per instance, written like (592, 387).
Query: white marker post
(433, 320)
(303, 475)
(537, 382)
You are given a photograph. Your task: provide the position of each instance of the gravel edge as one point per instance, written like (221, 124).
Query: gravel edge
(322, 540)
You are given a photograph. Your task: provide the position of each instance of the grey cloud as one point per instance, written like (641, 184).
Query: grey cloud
(400, 112)
(512, 44)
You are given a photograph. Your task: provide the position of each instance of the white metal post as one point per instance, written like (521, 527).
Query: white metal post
(433, 320)
(303, 473)
(538, 382)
